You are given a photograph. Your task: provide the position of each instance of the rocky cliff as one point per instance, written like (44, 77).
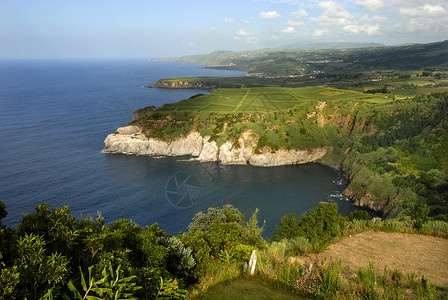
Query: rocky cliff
(180, 84)
(131, 140)
(366, 200)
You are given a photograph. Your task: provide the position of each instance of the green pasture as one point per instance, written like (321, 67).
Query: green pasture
(265, 100)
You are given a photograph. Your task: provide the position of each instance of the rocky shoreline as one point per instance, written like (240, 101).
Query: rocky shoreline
(131, 140)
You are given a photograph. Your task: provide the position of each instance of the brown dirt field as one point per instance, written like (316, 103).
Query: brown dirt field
(408, 253)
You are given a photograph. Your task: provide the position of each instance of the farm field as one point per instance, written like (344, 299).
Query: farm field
(265, 100)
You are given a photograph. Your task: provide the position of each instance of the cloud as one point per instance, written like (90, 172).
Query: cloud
(245, 21)
(362, 29)
(212, 28)
(242, 32)
(334, 14)
(270, 15)
(430, 20)
(229, 20)
(289, 29)
(375, 19)
(370, 5)
(320, 32)
(245, 36)
(294, 23)
(300, 13)
(426, 10)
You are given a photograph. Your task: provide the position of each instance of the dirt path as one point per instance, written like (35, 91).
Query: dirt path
(409, 253)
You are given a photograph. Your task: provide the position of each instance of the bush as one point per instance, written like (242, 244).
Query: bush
(359, 215)
(288, 228)
(180, 261)
(322, 223)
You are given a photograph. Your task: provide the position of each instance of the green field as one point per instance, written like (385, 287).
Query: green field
(265, 100)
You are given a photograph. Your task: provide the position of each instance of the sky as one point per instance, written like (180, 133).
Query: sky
(156, 29)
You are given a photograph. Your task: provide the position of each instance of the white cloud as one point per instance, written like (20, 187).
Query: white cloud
(242, 32)
(362, 29)
(426, 10)
(212, 28)
(375, 19)
(289, 29)
(245, 21)
(428, 20)
(320, 32)
(371, 5)
(300, 13)
(270, 14)
(245, 36)
(294, 23)
(334, 14)
(229, 20)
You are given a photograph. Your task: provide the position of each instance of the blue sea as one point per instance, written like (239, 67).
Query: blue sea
(55, 115)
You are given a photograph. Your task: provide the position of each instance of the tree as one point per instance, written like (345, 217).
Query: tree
(322, 223)
(228, 214)
(420, 215)
(288, 228)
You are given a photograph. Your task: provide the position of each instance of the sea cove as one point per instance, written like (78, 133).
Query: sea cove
(63, 110)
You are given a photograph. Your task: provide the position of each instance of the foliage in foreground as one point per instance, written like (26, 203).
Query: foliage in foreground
(52, 255)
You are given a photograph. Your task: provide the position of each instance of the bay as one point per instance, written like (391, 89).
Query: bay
(55, 114)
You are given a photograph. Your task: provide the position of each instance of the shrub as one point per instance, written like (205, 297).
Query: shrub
(180, 260)
(288, 228)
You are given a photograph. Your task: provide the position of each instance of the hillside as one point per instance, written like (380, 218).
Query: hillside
(396, 260)
(283, 63)
(404, 253)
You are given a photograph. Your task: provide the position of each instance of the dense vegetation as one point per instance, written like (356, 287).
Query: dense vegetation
(51, 254)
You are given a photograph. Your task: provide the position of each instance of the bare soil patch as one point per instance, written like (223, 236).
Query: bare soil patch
(408, 253)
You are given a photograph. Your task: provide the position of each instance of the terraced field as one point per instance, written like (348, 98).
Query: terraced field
(265, 100)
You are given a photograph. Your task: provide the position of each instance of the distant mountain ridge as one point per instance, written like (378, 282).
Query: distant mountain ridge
(329, 46)
(326, 58)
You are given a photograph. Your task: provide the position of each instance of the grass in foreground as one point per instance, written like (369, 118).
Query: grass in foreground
(248, 288)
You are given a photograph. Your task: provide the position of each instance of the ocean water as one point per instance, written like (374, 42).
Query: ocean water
(55, 115)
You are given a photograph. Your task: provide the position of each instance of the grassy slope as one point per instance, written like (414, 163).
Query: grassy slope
(407, 253)
(399, 260)
(248, 288)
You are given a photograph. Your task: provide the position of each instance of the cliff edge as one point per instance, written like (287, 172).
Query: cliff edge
(131, 140)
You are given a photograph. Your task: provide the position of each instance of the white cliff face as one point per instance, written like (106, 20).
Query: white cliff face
(130, 140)
(284, 157)
(209, 151)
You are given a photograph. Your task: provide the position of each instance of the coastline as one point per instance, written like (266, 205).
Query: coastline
(131, 141)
